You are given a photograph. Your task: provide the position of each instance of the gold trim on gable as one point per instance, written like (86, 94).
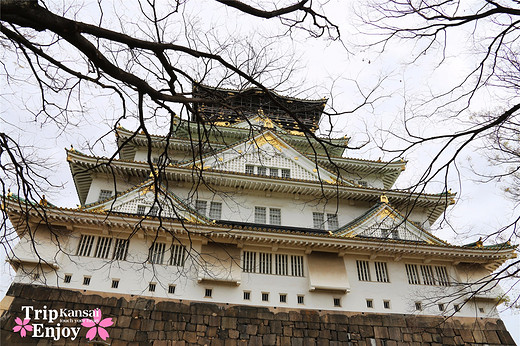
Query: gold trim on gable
(268, 138)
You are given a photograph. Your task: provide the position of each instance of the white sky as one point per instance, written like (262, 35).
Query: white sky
(326, 69)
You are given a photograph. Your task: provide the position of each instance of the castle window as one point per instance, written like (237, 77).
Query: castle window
(275, 216)
(273, 172)
(156, 253)
(442, 276)
(381, 271)
(370, 303)
(153, 211)
(363, 270)
(264, 263)
(208, 293)
(412, 274)
(171, 289)
(297, 265)
(332, 221)
(151, 286)
(283, 298)
(280, 264)
(215, 210)
(261, 170)
(250, 169)
(120, 249)
(85, 245)
(200, 207)
(362, 183)
(86, 280)
(427, 275)
(386, 304)
(177, 257)
(103, 247)
(115, 283)
(440, 306)
(318, 220)
(418, 306)
(141, 209)
(67, 278)
(286, 173)
(456, 307)
(337, 302)
(260, 215)
(265, 296)
(301, 299)
(249, 262)
(247, 295)
(481, 310)
(104, 194)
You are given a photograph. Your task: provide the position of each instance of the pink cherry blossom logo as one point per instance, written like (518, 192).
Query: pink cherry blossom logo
(22, 326)
(97, 326)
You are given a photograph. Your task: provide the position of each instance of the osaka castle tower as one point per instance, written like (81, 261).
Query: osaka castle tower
(239, 227)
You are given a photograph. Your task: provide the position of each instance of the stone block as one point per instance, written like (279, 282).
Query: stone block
(128, 334)
(269, 339)
(381, 332)
(251, 329)
(123, 321)
(190, 337)
(147, 325)
(467, 335)
(366, 331)
(229, 323)
(296, 341)
(233, 334)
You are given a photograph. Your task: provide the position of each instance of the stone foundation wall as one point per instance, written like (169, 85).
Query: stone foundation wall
(143, 321)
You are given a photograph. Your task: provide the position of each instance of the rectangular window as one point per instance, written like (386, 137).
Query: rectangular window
(200, 207)
(280, 264)
(156, 253)
(337, 302)
(332, 220)
(363, 183)
(260, 216)
(261, 170)
(381, 272)
(363, 270)
(103, 247)
(151, 286)
(370, 303)
(215, 210)
(154, 211)
(250, 169)
(412, 274)
(178, 253)
(286, 173)
(275, 216)
(264, 263)
(441, 306)
(208, 293)
(301, 299)
(297, 265)
(120, 249)
(283, 298)
(265, 297)
(67, 278)
(247, 295)
(141, 209)
(273, 172)
(85, 245)
(115, 283)
(104, 194)
(442, 276)
(86, 280)
(418, 306)
(456, 307)
(171, 289)
(427, 275)
(395, 234)
(318, 220)
(249, 262)
(386, 304)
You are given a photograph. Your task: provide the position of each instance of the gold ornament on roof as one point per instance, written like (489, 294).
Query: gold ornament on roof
(383, 199)
(43, 201)
(268, 138)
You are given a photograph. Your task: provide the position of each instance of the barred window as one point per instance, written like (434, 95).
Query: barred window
(261, 170)
(297, 265)
(215, 210)
(286, 173)
(363, 270)
(260, 215)
(442, 276)
(332, 220)
(249, 262)
(264, 263)
(120, 249)
(85, 245)
(200, 207)
(141, 209)
(178, 253)
(427, 275)
(104, 194)
(275, 216)
(273, 172)
(103, 247)
(250, 169)
(318, 220)
(301, 299)
(153, 211)
(280, 264)
(381, 271)
(412, 274)
(156, 253)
